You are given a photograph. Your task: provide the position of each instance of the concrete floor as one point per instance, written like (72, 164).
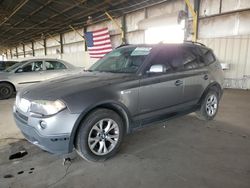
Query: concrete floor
(186, 152)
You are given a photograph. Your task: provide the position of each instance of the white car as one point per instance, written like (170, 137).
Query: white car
(30, 72)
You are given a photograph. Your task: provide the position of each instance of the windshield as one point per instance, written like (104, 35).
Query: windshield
(122, 60)
(9, 69)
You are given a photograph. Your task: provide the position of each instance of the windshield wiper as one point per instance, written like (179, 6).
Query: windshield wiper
(89, 70)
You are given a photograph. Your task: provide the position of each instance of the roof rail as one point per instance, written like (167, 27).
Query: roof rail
(189, 41)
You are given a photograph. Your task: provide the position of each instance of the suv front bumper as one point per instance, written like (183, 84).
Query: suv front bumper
(52, 140)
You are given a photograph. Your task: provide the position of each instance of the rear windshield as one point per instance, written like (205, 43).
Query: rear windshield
(9, 69)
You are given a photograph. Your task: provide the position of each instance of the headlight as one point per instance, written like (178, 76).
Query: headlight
(46, 108)
(22, 104)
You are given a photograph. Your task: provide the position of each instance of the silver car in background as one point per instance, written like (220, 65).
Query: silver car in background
(30, 72)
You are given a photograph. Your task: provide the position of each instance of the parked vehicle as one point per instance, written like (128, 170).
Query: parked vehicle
(6, 64)
(32, 71)
(129, 88)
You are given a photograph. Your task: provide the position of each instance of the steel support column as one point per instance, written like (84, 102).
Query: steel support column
(197, 10)
(124, 29)
(32, 47)
(220, 7)
(85, 43)
(11, 53)
(45, 46)
(61, 43)
(195, 19)
(16, 52)
(24, 55)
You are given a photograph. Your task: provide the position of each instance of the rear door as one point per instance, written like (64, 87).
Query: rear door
(54, 69)
(195, 75)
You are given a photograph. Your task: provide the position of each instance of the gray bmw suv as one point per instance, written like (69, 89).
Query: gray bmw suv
(133, 86)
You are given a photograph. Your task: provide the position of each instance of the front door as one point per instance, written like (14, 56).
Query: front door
(30, 73)
(161, 92)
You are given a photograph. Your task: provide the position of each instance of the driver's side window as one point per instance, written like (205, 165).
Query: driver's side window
(162, 59)
(33, 67)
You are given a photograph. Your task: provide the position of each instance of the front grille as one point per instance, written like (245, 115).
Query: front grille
(21, 117)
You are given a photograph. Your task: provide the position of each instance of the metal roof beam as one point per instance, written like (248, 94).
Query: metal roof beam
(14, 11)
(66, 22)
(31, 14)
(47, 19)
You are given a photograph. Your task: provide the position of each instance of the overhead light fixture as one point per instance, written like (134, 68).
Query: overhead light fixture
(42, 36)
(89, 20)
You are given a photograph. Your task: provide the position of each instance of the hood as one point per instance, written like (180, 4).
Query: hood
(62, 87)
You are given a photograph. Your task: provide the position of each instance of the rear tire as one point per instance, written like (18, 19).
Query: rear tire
(209, 106)
(6, 90)
(100, 135)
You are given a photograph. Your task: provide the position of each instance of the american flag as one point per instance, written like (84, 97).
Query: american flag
(98, 42)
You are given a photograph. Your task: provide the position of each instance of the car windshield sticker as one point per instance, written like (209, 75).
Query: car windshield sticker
(141, 51)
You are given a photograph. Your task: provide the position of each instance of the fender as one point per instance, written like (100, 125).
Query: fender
(3, 81)
(118, 107)
(215, 85)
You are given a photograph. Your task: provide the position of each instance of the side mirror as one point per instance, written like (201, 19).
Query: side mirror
(19, 70)
(159, 68)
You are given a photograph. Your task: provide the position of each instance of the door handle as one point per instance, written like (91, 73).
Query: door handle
(178, 82)
(205, 77)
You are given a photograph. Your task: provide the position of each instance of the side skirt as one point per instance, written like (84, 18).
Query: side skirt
(163, 118)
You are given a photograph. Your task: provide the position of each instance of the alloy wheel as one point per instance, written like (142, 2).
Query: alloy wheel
(103, 137)
(211, 105)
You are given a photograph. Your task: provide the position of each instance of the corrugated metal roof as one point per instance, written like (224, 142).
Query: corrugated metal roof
(25, 20)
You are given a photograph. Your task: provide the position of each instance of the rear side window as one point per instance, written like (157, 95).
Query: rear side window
(208, 56)
(2, 65)
(178, 58)
(190, 58)
(54, 65)
(10, 63)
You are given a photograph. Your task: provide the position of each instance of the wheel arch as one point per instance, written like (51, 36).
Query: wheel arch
(216, 86)
(7, 82)
(120, 109)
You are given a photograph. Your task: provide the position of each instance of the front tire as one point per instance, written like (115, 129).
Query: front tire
(209, 106)
(6, 90)
(100, 135)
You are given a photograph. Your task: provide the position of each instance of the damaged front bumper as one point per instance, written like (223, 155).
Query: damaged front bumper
(50, 138)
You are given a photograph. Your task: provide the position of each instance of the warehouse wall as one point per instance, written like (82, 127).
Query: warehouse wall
(235, 52)
(228, 35)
